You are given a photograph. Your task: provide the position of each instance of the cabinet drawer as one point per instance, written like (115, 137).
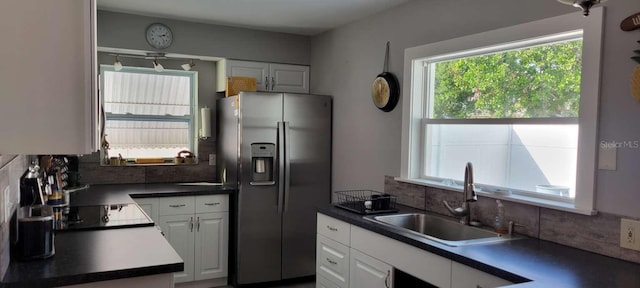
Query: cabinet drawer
(212, 203)
(463, 276)
(322, 282)
(176, 205)
(332, 261)
(334, 229)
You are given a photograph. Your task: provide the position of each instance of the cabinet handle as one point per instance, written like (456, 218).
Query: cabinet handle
(198, 225)
(331, 261)
(191, 224)
(266, 83)
(386, 279)
(212, 204)
(273, 83)
(177, 205)
(332, 228)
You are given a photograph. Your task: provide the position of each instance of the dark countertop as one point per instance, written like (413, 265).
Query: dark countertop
(99, 255)
(529, 261)
(122, 193)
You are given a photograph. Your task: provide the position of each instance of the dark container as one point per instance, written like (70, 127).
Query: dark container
(35, 234)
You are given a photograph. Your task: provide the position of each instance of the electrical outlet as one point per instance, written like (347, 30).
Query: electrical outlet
(212, 159)
(628, 230)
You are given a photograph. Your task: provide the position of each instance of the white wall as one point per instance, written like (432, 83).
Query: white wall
(366, 141)
(119, 30)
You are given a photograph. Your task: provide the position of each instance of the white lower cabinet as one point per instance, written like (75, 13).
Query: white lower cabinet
(332, 261)
(322, 282)
(178, 230)
(211, 240)
(201, 239)
(463, 276)
(373, 257)
(149, 206)
(368, 272)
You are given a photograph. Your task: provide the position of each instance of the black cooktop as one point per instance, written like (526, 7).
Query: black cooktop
(101, 217)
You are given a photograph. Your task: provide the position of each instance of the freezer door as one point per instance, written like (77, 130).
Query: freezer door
(308, 144)
(259, 219)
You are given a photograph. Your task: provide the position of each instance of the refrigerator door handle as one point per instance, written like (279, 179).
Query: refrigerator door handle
(287, 167)
(281, 165)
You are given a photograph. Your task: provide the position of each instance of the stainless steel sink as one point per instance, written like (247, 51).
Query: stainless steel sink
(439, 229)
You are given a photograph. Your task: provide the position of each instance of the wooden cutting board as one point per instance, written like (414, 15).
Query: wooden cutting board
(635, 83)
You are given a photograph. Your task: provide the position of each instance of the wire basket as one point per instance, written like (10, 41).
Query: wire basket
(366, 201)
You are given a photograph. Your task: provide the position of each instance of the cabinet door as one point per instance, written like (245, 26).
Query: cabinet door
(463, 276)
(211, 245)
(150, 206)
(368, 272)
(258, 70)
(48, 77)
(289, 78)
(178, 230)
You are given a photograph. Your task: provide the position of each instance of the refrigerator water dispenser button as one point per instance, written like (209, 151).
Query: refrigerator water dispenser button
(262, 162)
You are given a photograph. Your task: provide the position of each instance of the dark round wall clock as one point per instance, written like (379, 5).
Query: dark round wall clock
(385, 90)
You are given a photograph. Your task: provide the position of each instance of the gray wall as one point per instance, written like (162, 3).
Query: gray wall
(367, 141)
(118, 30)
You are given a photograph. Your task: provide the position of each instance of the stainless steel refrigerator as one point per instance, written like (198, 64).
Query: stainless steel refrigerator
(276, 147)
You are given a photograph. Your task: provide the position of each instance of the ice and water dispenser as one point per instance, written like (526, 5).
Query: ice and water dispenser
(263, 157)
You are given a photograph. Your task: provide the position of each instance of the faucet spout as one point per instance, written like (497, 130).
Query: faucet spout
(469, 195)
(469, 188)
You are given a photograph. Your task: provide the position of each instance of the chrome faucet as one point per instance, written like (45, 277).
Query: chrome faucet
(464, 212)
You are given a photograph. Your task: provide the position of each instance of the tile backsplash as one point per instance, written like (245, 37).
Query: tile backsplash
(599, 233)
(11, 169)
(92, 173)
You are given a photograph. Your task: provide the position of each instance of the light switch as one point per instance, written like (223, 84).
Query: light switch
(212, 159)
(607, 158)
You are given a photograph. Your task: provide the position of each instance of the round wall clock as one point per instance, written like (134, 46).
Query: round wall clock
(159, 36)
(385, 88)
(384, 91)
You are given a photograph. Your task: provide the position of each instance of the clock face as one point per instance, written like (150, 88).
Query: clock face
(159, 36)
(380, 92)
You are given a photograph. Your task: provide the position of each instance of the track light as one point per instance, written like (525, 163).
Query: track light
(584, 5)
(117, 66)
(157, 66)
(188, 66)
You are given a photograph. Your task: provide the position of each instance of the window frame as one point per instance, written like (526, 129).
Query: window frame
(191, 119)
(414, 104)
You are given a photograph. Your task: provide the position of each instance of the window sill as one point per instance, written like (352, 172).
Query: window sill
(132, 164)
(523, 199)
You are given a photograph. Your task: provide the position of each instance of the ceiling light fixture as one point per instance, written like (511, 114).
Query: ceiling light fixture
(188, 66)
(584, 5)
(117, 66)
(157, 66)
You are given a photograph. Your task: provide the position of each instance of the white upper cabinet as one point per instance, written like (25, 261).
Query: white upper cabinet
(270, 77)
(48, 77)
(289, 78)
(258, 70)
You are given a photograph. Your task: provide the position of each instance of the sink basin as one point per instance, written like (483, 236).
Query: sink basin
(439, 229)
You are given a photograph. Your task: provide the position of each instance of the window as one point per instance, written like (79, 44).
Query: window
(520, 103)
(148, 114)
